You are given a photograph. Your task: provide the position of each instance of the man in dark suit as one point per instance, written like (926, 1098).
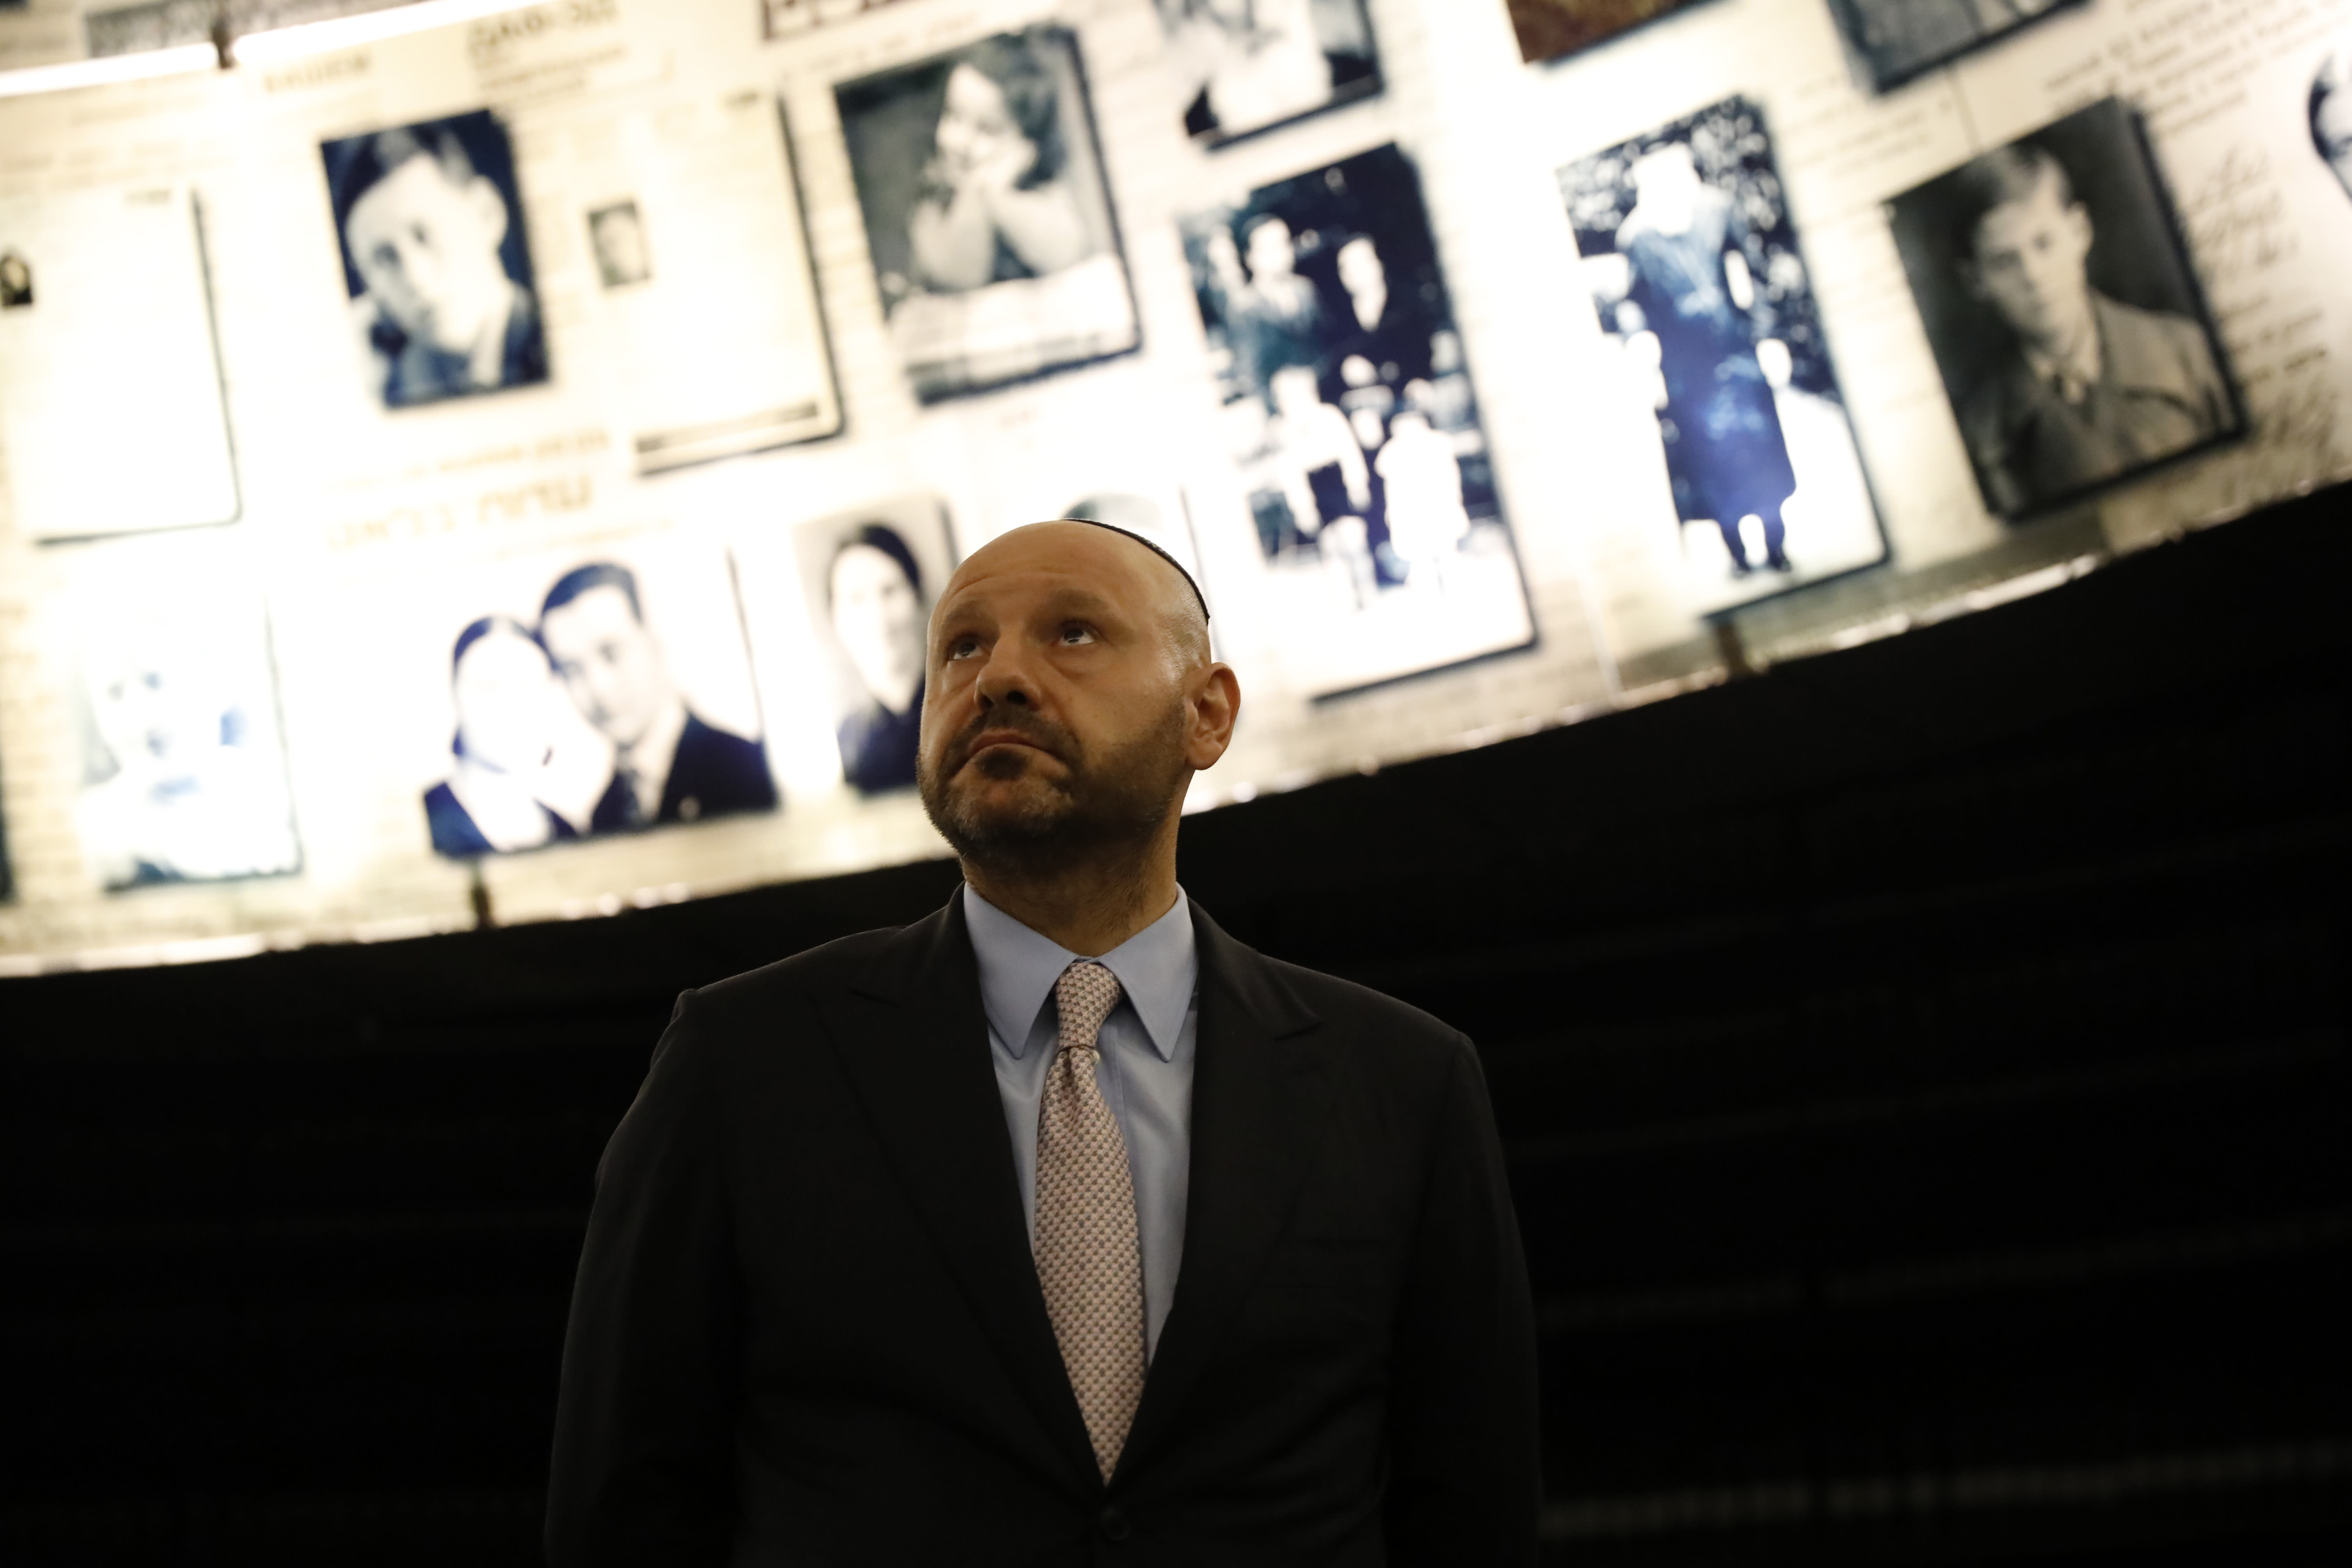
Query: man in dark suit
(669, 764)
(1058, 1227)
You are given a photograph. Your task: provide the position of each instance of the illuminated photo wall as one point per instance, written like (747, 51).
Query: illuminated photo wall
(462, 458)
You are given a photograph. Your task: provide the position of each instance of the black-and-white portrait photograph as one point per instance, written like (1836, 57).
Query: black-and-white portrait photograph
(870, 578)
(2064, 315)
(613, 700)
(1550, 29)
(436, 260)
(1898, 40)
(986, 213)
(16, 281)
(2329, 113)
(617, 236)
(1695, 268)
(183, 762)
(1254, 64)
(1349, 416)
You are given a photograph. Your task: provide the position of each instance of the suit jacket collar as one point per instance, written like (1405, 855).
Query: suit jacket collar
(914, 1040)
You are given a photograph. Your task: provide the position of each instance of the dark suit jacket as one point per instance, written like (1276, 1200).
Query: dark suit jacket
(807, 1328)
(711, 774)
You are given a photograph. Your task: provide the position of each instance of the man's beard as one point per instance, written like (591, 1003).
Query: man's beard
(1119, 796)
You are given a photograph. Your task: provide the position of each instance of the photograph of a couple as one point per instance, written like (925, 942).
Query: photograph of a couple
(596, 712)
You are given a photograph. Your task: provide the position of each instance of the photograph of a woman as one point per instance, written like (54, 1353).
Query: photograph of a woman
(986, 216)
(507, 701)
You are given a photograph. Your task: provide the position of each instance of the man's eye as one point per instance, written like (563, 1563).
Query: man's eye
(1075, 635)
(963, 648)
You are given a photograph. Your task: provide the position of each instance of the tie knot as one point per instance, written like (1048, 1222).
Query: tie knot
(1085, 995)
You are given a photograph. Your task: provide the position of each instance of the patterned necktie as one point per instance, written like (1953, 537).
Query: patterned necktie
(1088, 1258)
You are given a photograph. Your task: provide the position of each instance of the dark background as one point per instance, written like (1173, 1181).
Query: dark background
(1923, 1072)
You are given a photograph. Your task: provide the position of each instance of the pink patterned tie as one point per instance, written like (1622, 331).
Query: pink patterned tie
(1088, 1259)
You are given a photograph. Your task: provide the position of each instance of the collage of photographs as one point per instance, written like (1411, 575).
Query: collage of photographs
(716, 275)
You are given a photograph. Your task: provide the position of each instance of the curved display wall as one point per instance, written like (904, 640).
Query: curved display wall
(466, 460)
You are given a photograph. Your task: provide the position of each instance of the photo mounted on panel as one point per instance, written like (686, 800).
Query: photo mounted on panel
(111, 405)
(986, 214)
(2064, 318)
(609, 702)
(436, 259)
(1898, 40)
(1550, 29)
(2329, 113)
(1696, 271)
(869, 578)
(183, 764)
(1257, 64)
(1349, 418)
(617, 237)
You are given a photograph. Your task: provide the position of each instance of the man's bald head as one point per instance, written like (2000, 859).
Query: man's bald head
(1070, 694)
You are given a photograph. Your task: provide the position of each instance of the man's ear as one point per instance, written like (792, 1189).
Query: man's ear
(490, 209)
(1971, 278)
(1216, 704)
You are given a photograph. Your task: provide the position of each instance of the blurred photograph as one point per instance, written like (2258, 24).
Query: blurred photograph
(870, 578)
(986, 214)
(183, 765)
(436, 259)
(1349, 418)
(618, 237)
(1250, 65)
(1550, 29)
(578, 721)
(1898, 40)
(1696, 275)
(2062, 312)
(16, 281)
(2329, 110)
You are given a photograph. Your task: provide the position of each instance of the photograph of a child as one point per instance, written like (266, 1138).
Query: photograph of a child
(574, 716)
(869, 577)
(2063, 316)
(436, 259)
(1349, 418)
(617, 236)
(986, 216)
(1250, 65)
(1696, 271)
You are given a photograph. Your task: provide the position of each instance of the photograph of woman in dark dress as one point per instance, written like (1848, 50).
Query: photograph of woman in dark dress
(874, 598)
(504, 691)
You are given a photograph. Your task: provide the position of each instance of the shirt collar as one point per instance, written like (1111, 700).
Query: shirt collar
(1157, 969)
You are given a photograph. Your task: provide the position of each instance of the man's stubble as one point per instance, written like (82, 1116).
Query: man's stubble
(1117, 797)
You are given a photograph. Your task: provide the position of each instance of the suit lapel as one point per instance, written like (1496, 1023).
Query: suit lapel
(1257, 1105)
(913, 1037)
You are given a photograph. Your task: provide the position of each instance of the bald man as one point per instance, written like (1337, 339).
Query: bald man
(1058, 1227)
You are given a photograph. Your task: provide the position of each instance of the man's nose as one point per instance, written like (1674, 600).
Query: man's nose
(1006, 678)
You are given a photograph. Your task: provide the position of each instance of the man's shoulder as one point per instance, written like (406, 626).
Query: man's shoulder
(1360, 1019)
(811, 970)
(2154, 349)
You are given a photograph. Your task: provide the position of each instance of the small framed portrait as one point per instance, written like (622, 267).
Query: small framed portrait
(617, 697)
(2328, 111)
(986, 214)
(1351, 423)
(1696, 275)
(1256, 64)
(436, 260)
(1899, 39)
(1550, 29)
(16, 281)
(182, 770)
(870, 578)
(2064, 318)
(617, 237)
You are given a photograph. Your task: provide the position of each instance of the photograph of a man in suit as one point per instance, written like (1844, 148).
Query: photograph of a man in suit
(1057, 1226)
(669, 764)
(2091, 389)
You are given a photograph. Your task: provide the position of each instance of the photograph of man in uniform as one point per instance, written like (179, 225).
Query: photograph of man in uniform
(434, 258)
(16, 281)
(1900, 38)
(2331, 117)
(2079, 356)
(668, 764)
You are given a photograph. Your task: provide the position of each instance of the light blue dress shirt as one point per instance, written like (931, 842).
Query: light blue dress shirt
(1144, 1064)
